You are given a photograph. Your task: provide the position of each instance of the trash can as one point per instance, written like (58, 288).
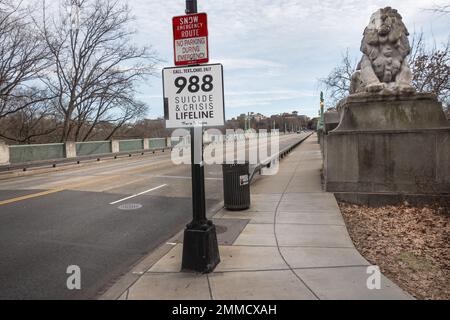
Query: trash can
(236, 186)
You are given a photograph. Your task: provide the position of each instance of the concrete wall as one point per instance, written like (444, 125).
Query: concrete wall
(4, 153)
(410, 161)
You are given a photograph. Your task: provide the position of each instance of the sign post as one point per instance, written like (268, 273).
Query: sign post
(193, 97)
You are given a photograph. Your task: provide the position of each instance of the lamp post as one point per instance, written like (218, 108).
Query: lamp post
(321, 111)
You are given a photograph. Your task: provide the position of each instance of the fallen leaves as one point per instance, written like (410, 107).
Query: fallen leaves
(411, 245)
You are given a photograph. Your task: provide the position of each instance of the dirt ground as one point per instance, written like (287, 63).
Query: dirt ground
(410, 245)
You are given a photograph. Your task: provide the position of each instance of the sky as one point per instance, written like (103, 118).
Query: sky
(274, 51)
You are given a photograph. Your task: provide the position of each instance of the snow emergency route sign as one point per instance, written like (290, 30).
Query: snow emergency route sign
(194, 96)
(190, 35)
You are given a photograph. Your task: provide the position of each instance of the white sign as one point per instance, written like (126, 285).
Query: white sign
(195, 49)
(243, 180)
(193, 96)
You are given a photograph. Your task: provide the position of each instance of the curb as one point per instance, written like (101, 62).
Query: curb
(124, 282)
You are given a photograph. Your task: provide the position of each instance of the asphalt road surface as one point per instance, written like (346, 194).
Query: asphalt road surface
(102, 217)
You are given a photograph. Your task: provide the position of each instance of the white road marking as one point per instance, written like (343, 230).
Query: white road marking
(137, 195)
(183, 177)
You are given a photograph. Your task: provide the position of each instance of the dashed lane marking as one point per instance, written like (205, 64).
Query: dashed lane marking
(138, 194)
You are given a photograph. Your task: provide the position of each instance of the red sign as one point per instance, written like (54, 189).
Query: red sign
(190, 34)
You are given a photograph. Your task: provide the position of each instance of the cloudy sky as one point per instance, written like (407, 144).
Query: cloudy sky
(274, 51)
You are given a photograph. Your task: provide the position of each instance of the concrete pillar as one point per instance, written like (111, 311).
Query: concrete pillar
(169, 142)
(146, 144)
(4, 153)
(71, 149)
(115, 147)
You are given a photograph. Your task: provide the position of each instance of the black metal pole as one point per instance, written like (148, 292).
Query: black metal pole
(197, 169)
(191, 6)
(198, 179)
(200, 247)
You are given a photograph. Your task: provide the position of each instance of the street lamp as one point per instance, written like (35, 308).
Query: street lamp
(321, 111)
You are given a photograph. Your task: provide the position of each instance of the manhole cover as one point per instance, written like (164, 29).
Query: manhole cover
(130, 206)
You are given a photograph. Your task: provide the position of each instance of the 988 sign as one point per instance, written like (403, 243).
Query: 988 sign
(193, 96)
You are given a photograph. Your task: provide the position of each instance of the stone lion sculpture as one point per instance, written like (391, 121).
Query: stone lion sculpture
(385, 45)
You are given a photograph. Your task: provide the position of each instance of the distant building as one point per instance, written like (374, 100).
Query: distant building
(259, 117)
(284, 121)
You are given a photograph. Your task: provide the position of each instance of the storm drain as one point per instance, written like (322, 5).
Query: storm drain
(221, 229)
(130, 206)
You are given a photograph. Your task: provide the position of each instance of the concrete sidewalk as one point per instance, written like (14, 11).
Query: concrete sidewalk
(293, 244)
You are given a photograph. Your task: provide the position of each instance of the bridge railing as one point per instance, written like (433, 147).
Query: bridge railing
(38, 155)
(22, 157)
(269, 161)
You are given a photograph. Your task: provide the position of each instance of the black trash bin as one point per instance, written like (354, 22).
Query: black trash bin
(236, 186)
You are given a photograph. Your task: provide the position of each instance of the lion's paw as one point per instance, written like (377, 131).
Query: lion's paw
(406, 89)
(377, 87)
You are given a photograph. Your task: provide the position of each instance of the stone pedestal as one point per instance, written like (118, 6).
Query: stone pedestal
(146, 143)
(4, 153)
(115, 146)
(366, 112)
(331, 120)
(389, 144)
(71, 149)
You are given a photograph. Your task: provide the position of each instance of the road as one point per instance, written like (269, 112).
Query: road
(78, 216)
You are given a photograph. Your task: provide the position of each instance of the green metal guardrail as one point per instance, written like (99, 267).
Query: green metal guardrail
(36, 152)
(93, 148)
(131, 145)
(157, 143)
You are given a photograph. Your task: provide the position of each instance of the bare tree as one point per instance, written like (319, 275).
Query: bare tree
(337, 83)
(431, 68)
(22, 60)
(34, 124)
(144, 128)
(441, 9)
(95, 69)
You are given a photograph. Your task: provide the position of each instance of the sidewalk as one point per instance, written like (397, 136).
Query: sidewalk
(294, 245)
